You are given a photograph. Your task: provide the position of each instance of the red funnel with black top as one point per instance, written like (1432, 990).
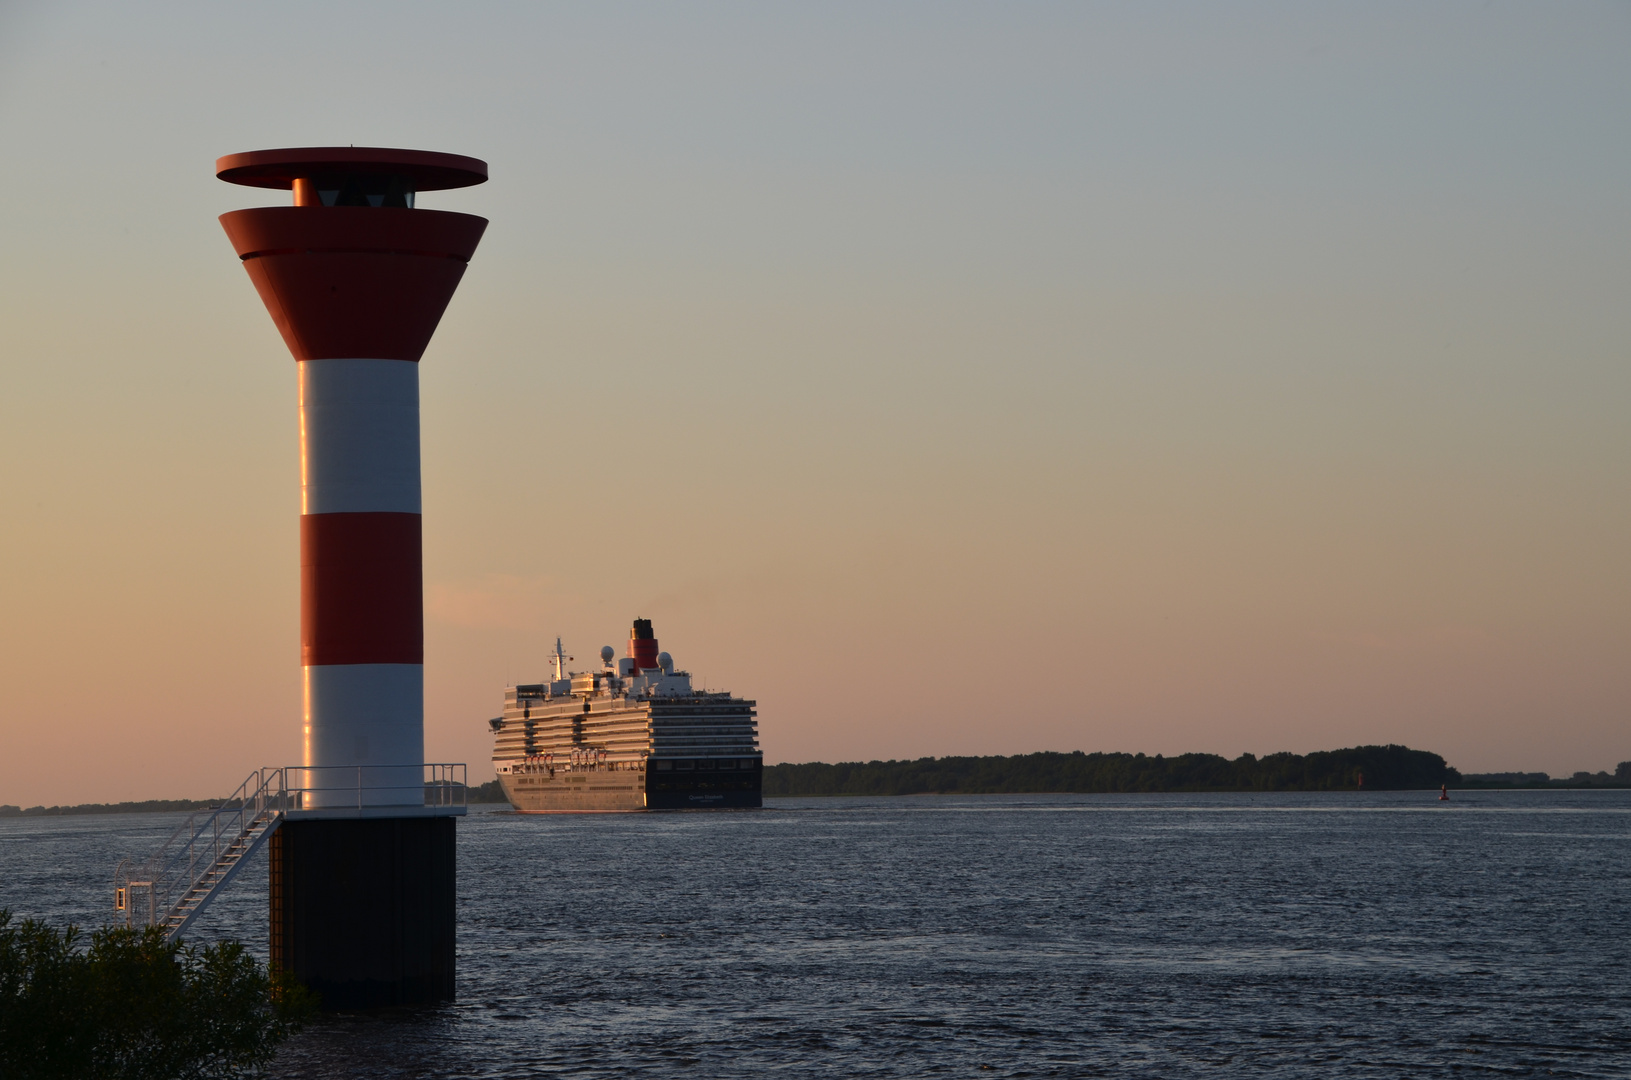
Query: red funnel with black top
(643, 645)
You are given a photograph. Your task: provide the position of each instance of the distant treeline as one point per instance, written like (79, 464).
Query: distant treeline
(151, 806)
(1619, 778)
(1383, 768)
(481, 793)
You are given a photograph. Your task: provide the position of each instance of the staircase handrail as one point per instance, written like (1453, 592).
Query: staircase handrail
(195, 846)
(212, 844)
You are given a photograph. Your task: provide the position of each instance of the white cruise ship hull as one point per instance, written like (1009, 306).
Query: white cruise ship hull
(629, 740)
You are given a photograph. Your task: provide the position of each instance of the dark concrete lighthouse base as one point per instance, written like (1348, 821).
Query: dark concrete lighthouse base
(362, 909)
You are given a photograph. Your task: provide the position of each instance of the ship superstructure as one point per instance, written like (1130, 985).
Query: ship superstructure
(634, 735)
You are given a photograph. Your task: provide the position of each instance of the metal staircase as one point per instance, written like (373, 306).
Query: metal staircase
(174, 886)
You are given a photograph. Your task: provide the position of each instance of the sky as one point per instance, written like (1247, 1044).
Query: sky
(949, 378)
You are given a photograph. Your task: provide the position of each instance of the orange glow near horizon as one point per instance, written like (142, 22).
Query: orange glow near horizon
(978, 381)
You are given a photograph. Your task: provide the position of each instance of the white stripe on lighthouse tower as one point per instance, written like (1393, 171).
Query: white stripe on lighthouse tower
(359, 472)
(359, 436)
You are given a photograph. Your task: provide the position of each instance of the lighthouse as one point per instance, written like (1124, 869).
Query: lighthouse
(356, 277)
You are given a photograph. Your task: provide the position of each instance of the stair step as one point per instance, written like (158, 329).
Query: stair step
(226, 849)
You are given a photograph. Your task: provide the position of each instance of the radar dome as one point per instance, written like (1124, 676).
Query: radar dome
(607, 652)
(665, 662)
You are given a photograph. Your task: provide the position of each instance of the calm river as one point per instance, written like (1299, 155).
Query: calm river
(1379, 935)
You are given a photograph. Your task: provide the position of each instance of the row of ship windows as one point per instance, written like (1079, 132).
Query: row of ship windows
(564, 738)
(664, 765)
(670, 749)
(562, 707)
(663, 724)
(633, 723)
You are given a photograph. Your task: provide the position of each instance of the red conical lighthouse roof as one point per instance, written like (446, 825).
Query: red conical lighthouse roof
(352, 271)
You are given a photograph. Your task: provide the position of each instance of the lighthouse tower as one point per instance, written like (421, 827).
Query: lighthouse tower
(356, 278)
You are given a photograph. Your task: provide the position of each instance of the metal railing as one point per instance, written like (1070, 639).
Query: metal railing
(172, 887)
(366, 787)
(447, 785)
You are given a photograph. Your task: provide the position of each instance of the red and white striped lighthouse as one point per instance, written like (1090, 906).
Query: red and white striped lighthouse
(356, 277)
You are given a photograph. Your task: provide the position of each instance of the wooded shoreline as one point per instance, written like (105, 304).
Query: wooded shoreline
(1383, 768)
(1370, 768)
(481, 793)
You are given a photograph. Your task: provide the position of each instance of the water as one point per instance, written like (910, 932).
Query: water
(1133, 936)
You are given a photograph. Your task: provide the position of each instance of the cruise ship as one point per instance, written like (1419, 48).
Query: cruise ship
(634, 735)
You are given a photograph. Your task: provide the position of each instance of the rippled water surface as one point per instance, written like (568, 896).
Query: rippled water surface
(1162, 936)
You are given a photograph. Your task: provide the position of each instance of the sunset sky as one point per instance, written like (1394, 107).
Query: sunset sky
(950, 378)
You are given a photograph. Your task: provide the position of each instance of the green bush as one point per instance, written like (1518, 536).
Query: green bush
(134, 1006)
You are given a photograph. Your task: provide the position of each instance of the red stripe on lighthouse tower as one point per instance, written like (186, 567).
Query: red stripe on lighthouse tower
(356, 281)
(360, 593)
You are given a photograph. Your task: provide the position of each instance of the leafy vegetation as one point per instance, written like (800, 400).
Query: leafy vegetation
(1384, 768)
(133, 1006)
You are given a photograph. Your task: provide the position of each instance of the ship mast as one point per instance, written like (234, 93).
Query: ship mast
(560, 658)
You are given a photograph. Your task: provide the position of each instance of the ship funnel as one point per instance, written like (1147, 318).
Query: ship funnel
(643, 645)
